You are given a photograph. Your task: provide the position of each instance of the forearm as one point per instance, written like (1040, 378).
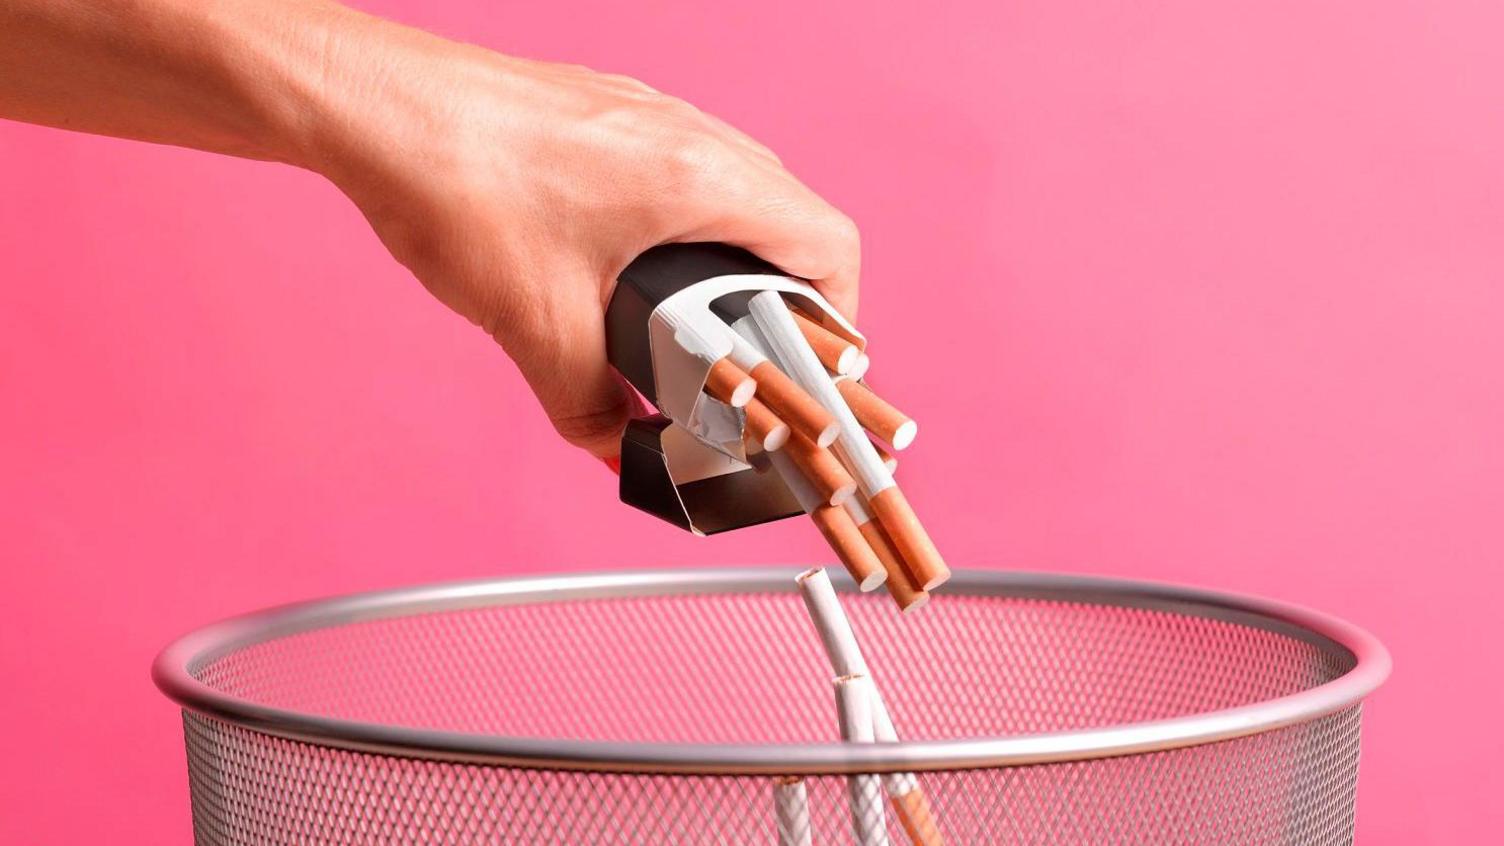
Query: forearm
(245, 77)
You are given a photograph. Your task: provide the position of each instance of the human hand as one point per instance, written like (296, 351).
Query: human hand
(516, 191)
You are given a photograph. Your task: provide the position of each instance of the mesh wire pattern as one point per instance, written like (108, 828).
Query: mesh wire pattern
(745, 668)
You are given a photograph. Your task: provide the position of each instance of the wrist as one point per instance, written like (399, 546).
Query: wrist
(290, 75)
(294, 66)
(361, 94)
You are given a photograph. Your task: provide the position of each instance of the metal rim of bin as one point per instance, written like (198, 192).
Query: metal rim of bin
(174, 668)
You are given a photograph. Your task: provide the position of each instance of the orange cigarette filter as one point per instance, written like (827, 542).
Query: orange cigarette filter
(730, 384)
(901, 583)
(887, 457)
(851, 547)
(917, 818)
(836, 353)
(794, 405)
(913, 543)
(878, 416)
(763, 426)
(822, 469)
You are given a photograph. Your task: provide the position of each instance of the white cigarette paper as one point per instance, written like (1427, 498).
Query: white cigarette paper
(791, 812)
(854, 700)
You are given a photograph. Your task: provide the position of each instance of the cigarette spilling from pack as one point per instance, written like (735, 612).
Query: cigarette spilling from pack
(786, 345)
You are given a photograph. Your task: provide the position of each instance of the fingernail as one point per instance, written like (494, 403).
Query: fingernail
(614, 463)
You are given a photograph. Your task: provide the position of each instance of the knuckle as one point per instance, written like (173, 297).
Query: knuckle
(695, 160)
(845, 231)
(629, 82)
(680, 108)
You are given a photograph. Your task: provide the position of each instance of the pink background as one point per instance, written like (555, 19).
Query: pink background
(1229, 275)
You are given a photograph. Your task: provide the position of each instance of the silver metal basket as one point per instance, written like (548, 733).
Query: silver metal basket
(662, 708)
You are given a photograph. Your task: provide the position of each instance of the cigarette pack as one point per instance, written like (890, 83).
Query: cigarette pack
(668, 321)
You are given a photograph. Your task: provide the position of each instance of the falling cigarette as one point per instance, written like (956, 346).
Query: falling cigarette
(836, 353)
(789, 401)
(917, 818)
(854, 701)
(838, 639)
(835, 524)
(791, 811)
(877, 415)
(887, 458)
(846, 659)
(822, 469)
(730, 384)
(853, 447)
(764, 427)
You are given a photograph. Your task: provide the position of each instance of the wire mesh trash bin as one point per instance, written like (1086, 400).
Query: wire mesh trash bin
(681, 707)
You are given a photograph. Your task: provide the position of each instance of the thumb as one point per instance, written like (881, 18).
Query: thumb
(563, 359)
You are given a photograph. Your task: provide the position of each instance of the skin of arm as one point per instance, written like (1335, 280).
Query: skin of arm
(514, 190)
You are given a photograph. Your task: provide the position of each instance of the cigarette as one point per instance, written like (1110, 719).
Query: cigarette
(730, 384)
(852, 446)
(918, 820)
(877, 415)
(821, 468)
(839, 641)
(902, 584)
(854, 701)
(851, 547)
(764, 428)
(913, 543)
(793, 404)
(836, 353)
(835, 524)
(789, 401)
(791, 811)
(846, 659)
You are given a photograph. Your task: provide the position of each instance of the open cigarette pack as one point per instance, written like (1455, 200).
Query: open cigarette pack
(763, 413)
